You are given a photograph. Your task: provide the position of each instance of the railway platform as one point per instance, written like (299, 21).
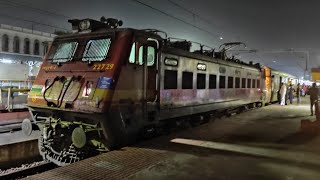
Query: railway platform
(15, 146)
(264, 143)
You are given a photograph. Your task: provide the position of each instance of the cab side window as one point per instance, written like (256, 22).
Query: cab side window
(151, 55)
(132, 57)
(149, 51)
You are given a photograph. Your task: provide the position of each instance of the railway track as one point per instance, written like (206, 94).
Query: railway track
(26, 170)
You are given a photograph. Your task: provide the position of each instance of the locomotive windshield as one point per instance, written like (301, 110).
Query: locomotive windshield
(96, 50)
(64, 52)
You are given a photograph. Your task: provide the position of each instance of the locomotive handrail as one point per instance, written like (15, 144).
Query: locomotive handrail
(156, 31)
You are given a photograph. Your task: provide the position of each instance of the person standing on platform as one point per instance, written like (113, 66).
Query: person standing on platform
(283, 92)
(279, 95)
(298, 92)
(314, 94)
(290, 93)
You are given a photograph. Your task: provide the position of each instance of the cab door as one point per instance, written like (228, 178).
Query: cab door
(147, 58)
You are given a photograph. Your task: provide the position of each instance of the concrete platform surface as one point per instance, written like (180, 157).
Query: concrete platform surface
(264, 143)
(17, 137)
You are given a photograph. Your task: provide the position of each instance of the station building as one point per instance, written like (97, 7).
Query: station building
(21, 52)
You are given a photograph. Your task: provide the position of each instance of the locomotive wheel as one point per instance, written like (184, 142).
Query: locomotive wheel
(79, 138)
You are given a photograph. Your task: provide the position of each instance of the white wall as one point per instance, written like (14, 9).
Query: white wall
(14, 71)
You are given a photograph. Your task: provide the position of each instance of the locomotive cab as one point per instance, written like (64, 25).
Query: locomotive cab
(94, 87)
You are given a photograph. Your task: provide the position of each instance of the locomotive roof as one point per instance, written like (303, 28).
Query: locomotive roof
(108, 31)
(166, 49)
(184, 53)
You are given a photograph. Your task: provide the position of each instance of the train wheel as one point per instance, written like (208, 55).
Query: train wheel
(26, 127)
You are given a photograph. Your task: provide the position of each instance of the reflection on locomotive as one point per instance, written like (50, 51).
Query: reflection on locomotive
(102, 87)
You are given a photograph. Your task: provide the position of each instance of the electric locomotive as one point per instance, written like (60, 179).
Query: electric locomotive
(102, 86)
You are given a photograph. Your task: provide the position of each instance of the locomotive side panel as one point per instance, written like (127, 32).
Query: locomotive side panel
(201, 86)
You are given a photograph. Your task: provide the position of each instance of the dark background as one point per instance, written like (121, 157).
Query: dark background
(283, 32)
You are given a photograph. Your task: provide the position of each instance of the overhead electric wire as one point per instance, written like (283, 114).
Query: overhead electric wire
(197, 15)
(176, 18)
(191, 12)
(34, 22)
(41, 11)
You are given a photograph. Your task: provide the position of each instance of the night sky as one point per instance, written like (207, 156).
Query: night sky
(283, 32)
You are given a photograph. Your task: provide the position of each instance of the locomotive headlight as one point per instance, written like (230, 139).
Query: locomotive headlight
(84, 25)
(88, 88)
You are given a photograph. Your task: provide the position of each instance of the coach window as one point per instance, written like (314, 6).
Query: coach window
(222, 82)
(258, 83)
(253, 83)
(248, 83)
(201, 81)
(187, 80)
(243, 83)
(230, 82)
(212, 81)
(170, 79)
(237, 82)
